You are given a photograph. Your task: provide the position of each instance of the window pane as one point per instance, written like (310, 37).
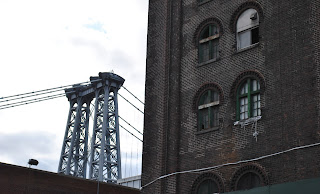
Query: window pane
(215, 96)
(205, 98)
(256, 105)
(255, 35)
(244, 39)
(208, 114)
(204, 52)
(205, 33)
(215, 116)
(214, 30)
(249, 180)
(215, 49)
(255, 85)
(204, 119)
(244, 89)
(243, 108)
(246, 21)
(208, 187)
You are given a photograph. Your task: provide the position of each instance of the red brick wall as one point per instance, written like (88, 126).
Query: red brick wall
(15, 180)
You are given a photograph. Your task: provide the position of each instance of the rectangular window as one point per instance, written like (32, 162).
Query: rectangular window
(215, 116)
(248, 38)
(215, 50)
(204, 55)
(243, 108)
(244, 39)
(204, 115)
(256, 111)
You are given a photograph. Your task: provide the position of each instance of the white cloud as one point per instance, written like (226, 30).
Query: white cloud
(50, 43)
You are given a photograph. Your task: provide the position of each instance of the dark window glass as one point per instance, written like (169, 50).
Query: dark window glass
(248, 99)
(255, 35)
(209, 43)
(249, 180)
(208, 110)
(208, 187)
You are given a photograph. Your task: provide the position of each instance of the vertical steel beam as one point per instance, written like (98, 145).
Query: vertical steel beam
(105, 160)
(66, 144)
(71, 162)
(96, 135)
(116, 116)
(74, 154)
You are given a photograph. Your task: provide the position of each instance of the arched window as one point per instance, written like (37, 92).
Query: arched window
(209, 43)
(247, 29)
(249, 180)
(208, 186)
(248, 99)
(249, 177)
(208, 110)
(207, 183)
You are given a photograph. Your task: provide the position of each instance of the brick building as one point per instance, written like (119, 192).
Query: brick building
(22, 180)
(232, 95)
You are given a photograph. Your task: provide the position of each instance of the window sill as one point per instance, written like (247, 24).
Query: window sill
(207, 130)
(203, 2)
(247, 121)
(207, 62)
(248, 48)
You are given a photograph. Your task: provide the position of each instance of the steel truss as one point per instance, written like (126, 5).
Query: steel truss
(74, 153)
(105, 160)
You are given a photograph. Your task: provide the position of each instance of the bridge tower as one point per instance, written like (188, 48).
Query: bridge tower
(104, 158)
(74, 153)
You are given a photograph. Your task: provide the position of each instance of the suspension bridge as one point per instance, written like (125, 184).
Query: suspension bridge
(91, 146)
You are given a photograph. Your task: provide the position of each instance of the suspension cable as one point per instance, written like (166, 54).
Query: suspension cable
(131, 133)
(37, 94)
(34, 100)
(130, 125)
(61, 87)
(130, 103)
(133, 95)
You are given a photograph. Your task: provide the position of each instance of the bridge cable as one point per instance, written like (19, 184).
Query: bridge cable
(130, 103)
(39, 94)
(31, 101)
(61, 87)
(133, 95)
(130, 125)
(131, 133)
(24, 102)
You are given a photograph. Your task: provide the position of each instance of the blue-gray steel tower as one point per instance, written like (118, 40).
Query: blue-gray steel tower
(104, 158)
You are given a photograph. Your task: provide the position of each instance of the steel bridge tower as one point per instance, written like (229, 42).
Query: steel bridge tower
(104, 157)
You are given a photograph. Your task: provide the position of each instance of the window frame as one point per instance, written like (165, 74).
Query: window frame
(249, 96)
(205, 177)
(205, 181)
(212, 107)
(253, 30)
(212, 40)
(244, 176)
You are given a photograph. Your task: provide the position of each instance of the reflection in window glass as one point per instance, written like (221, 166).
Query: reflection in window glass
(248, 99)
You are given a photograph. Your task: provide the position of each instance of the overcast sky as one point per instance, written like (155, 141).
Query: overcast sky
(50, 43)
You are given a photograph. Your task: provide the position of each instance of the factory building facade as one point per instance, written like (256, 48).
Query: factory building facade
(232, 95)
